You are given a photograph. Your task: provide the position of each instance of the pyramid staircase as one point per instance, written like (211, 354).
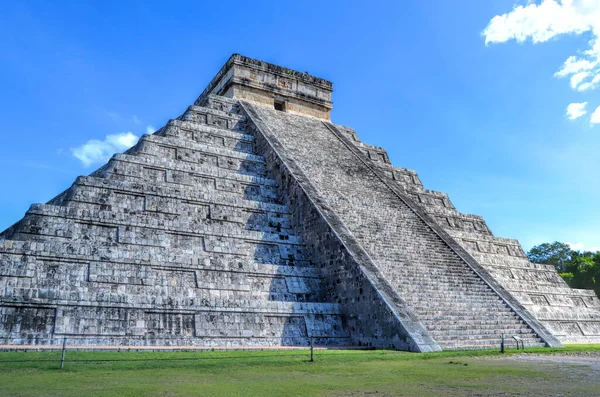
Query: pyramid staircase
(458, 308)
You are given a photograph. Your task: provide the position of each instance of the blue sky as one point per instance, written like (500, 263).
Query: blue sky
(486, 123)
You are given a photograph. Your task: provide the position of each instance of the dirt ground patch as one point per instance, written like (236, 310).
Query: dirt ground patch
(590, 359)
(569, 374)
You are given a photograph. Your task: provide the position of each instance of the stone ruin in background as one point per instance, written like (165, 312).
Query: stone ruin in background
(252, 220)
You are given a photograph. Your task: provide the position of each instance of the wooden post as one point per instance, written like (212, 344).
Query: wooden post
(62, 358)
(312, 354)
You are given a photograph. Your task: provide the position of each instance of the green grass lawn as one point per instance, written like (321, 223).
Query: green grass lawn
(289, 373)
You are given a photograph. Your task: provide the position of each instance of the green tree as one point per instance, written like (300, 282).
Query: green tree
(585, 267)
(556, 253)
(567, 276)
(578, 269)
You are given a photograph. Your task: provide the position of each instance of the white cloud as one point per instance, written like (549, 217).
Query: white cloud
(150, 129)
(551, 18)
(576, 246)
(576, 110)
(577, 78)
(136, 119)
(581, 247)
(95, 151)
(595, 117)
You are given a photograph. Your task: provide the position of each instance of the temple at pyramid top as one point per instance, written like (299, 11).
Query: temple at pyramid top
(267, 84)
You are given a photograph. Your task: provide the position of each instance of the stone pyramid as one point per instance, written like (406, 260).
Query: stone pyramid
(252, 220)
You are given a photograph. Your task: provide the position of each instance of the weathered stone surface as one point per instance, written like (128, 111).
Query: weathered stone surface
(240, 225)
(267, 84)
(432, 284)
(183, 240)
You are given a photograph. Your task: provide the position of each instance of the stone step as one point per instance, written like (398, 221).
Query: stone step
(443, 321)
(186, 131)
(420, 294)
(407, 178)
(469, 324)
(182, 244)
(51, 217)
(484, 345)
(210, 223)
(440, 288)
(199, 109)
(152, 342)
(472, 334)
(457, 309)
(496, 339)
(459, 312)
(189, 147)
(457, 299)
(177, 142)
(222, 269)
(82, 250)
(221, 103)
(133, 167)
(214, 118)
(461, 224)
(555, 290)
(464, 315)
(500, 260)
(458, 303)
(446, 271)
(131, 255)
(439, 263)
(441, 318)
(98, 191)
(99, 294)
(208, 306)
(452, 212)
(415, 282)
(511, 282)
(169, 149)
(417, 286)
(508, 333)
(238, 167)
(158, 288)
(189, 216)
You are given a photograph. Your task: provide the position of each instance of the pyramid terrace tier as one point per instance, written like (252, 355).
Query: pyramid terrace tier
(116, 326)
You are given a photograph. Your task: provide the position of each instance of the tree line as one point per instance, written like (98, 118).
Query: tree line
(580, 269)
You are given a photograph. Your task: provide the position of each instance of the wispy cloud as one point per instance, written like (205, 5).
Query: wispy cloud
(96, 151)
(576, 110)
(136, 119)
(549, 19)
(581, 247)
(595, 118)
(150, 129)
